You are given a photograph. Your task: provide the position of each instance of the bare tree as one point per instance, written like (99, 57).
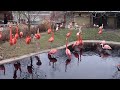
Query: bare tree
(29, 16)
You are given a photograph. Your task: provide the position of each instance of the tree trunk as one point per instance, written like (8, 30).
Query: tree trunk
(29, 24)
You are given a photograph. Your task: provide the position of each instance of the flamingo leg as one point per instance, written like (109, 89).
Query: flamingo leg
(53, 65)
(65, 68)
(51, 45)
(49, 64)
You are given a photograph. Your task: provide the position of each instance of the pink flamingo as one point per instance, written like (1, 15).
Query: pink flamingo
(68, 34)
(100, 29)
(52, 51)
(79, 40)
(49, 30)
(38, 36)
(21, 34)
(51, 39)
(16, 35)
(105, 46)
(68, 53)
(76, 55)
(14, 40)
(10, 41)
(28, 40)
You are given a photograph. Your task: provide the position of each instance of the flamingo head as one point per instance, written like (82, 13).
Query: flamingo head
(103, 42)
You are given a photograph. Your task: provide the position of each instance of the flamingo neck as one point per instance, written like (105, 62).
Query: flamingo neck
(52, 34)
(66, 44)
(102, 45)
(17, 30)
(10, 34)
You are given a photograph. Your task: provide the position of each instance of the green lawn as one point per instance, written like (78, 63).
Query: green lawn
(7, 51)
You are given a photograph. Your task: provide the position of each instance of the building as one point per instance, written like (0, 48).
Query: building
(110, 19)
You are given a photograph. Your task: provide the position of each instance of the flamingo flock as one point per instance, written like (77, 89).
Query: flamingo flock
(79, 42)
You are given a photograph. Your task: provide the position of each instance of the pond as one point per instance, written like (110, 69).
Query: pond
(88, 63)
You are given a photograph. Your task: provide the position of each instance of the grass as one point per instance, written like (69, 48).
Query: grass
(7, 51)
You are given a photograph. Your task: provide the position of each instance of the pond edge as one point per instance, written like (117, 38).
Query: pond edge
(44, 51)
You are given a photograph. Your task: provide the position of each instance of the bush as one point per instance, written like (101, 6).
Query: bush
(24, 29)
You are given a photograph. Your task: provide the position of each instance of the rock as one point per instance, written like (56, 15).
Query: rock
(1, 57)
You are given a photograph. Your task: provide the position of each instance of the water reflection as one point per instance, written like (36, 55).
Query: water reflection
(52, 60)
(67, 62)
(91, 65)
(2, 67)
(30, 67)
(17, 66)
(39, 61)
(78, 54)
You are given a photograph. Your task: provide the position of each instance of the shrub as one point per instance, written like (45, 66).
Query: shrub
(24, 29)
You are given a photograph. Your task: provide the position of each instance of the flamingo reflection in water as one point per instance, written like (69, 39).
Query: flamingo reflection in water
(117, 73)
(39, 61)
(53, 60)
(17, 67)
(2, 67)
(78, 54)
(67, 62)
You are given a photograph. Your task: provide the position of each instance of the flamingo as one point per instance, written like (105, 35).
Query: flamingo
(16, 35)
(103, 42)
(68, 53)
(21, 34)
(38, 36)
(52, 51)
(51, 39)
(100, 30)
(70, 32)
(39, 61)
(79, 40)
(28, 40)
(10, 41)
(49, 31)
(76, 55)
(14, 40)
(105, 46)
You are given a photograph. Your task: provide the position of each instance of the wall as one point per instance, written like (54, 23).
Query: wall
(111, 22)
(84, 18)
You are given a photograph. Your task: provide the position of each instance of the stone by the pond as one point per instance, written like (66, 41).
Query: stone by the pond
(1, 58)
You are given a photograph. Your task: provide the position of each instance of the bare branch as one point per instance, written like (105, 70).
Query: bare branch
(36, 16)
